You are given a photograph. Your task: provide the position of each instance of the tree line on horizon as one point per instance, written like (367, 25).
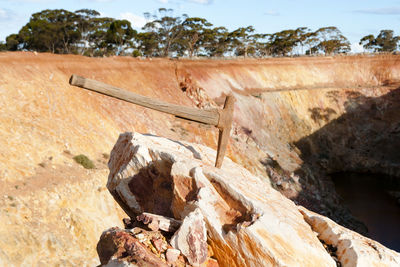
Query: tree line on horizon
(85, 32)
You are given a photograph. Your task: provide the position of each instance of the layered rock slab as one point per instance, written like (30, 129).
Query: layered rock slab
(353, 249)
(191, 238)
(248, 223)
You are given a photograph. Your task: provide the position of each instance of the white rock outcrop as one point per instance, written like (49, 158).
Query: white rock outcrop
(248, 223)
(353, 249)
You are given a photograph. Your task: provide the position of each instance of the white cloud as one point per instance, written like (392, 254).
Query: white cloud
(6, 14)
(163, 1)
(357, 48)
(272, 13)
(3, 14)
(380, 11)
(10, 22)
(136, 21)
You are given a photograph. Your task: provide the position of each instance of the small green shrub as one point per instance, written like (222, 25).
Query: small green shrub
(42, 164)
(136, 53)
(84, 161)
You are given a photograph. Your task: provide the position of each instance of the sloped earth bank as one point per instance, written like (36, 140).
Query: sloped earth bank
(341, 117)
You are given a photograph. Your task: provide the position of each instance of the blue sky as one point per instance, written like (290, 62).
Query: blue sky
(355, 18)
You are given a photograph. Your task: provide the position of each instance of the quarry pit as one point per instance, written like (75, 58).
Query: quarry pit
(297, 121)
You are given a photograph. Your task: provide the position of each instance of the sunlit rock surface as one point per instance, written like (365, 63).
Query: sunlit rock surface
(353, 249)
(191, 238)
(248, 222)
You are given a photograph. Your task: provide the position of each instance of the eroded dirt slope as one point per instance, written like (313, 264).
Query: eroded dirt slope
(44, 121)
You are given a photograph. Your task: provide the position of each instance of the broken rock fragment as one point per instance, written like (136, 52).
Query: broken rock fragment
(117, 246)
(191, 238)
(159, 244)
(172, 255)
(156, 222)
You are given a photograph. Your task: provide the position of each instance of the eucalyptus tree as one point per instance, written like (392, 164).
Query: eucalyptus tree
(98, 44)
(119, 36)
(242, 41)
(86, 26)
(194, 34)
(369, 43)
(282, 43)
(384, 42)
(302, 34)
(13, 42)
(311, 42)
(50, 30)
(167, 27)
(147, 44)
(261, 45)
(85, 32)
(332, 41)
(216, 41)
